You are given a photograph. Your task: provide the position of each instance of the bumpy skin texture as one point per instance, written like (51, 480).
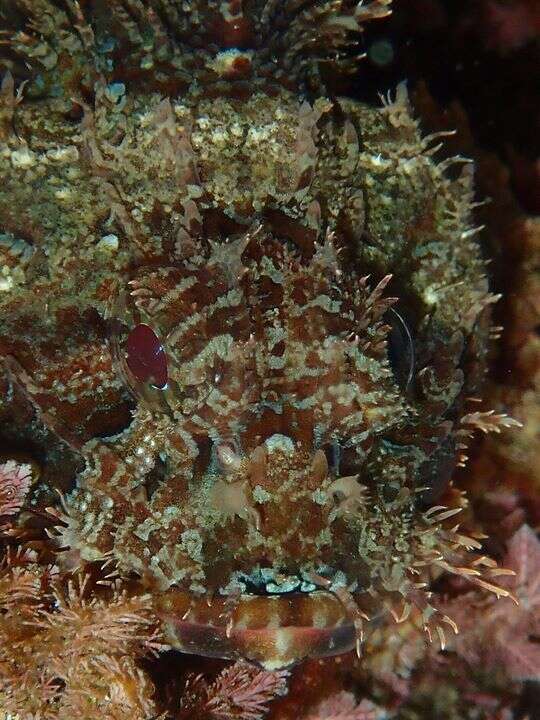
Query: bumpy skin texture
(313, 416)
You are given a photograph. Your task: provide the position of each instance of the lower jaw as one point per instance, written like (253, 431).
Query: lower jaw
(274, 631)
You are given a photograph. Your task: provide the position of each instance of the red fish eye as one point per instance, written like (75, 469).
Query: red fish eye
(146, 357)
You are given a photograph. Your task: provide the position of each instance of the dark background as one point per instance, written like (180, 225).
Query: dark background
(481, 54)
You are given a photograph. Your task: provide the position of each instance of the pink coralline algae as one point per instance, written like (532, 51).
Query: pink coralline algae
(343, 706)
(504, 636)
(15, 482)
(240, 692)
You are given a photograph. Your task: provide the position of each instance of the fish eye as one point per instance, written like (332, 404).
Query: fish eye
(146, 357)
(138, 352)
(140, 359)
(164, 373)
(400, 348)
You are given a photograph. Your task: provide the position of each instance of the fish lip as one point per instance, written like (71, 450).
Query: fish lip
(273, 631)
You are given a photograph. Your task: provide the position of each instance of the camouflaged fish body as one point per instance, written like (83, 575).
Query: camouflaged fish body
(254, 311)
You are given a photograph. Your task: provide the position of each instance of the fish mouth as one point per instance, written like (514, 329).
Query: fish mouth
(273, 630)
(267, 582)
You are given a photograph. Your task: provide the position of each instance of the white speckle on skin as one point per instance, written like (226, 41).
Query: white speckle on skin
(319, 497)
(63, 154)
(192, 544)
(280, 442)
(260, 495)
(23, 159)
(108, 243)
(6, 280)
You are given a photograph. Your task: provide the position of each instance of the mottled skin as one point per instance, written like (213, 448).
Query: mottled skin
(238, 216)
